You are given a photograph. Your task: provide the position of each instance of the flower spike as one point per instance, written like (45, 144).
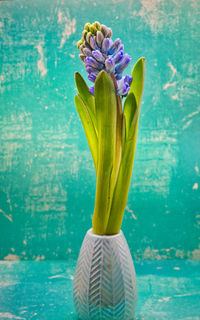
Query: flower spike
(99, 52)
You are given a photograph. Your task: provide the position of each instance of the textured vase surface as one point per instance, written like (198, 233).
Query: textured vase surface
(105, 281)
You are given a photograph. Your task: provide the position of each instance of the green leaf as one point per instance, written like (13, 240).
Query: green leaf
(130, 107)
(124, 177)
(123, 131)
(88, 126)
(87, 97)
(137, 84)
(106, 111)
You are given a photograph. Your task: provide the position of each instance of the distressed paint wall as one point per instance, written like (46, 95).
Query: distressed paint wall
(47, 177)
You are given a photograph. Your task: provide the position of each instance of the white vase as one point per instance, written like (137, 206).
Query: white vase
(105, 281)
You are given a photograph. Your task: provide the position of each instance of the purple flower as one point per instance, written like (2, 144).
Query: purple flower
(106, 44)
(110, 65)
(92, 76)
(116, 45)
(87, 52)
(118, 57)
(99, 52)
(123, 64)
(91, 90)
(90, 61)
(99, 38)
(98, 56)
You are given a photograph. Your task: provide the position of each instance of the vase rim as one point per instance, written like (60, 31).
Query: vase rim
(112, 236)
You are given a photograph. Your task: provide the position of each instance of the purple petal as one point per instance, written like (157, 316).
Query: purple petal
(92, 77)
(87, 52)
(91, 69)
(98, 56)
(106, 31)
(91, 90)
(123, 64)
(90, 61)
(116, 45)
(93, 43)
(128, 79)
(118, 57)
(123, 89)
(99, 38)
(110, 65)
(106, 44)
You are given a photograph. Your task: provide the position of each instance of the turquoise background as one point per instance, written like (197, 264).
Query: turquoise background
(47, 177)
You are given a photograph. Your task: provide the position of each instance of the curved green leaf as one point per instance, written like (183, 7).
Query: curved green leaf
(124, 177)
(88, 126)
(130, 107)
(123, 131)
(106, 112)
(137, 84)
(87, 97)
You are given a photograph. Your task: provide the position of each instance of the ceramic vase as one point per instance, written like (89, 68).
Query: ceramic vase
(105, 281)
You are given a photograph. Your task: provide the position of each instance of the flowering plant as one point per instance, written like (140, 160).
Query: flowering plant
(111, 129)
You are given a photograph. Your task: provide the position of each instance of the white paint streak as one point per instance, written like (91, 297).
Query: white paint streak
(40, 63)
(158, 19)
(188, 123)
(57, 276)
(69, 26)
(38, 258)
(131, 211)
(164, 299)
(170, 83)
(187, 294)
(196, 168)
(195, 186)
(12, 257)
(191, 115)
(167, 85)
(7, 283)
(6, 215)
(7, 315)
(175, 97)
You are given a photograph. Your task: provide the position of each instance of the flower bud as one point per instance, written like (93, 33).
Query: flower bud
(93, 63)
(87, 26)
(89, 34)
(79, 43)
(110, 65)
(104, 30)
(99, 38)
(93, 43)
(91, 90)
(123, 64)
(87, 52)
(97, 25)
(109, 35)
(118, 57)
(82, 57)
(116, 45)
(106, 44)
(93, 30)
(90, 69)
(98, 56)
(128, 79)
(92, 76)
(84, 34)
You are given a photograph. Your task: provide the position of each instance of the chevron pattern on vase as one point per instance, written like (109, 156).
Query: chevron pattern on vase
(105, 281)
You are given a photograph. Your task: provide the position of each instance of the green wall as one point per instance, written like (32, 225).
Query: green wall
(47, 178)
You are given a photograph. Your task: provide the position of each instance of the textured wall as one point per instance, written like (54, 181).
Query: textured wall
(47, 178)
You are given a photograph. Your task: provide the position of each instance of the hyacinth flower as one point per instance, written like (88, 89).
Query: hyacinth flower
(109, 110)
